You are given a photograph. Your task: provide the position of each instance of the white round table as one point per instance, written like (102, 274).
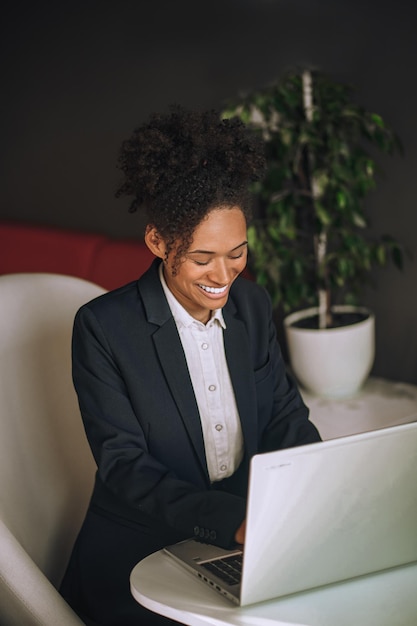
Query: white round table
(382, 599)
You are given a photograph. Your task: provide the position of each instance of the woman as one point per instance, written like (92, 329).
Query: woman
(179, 375)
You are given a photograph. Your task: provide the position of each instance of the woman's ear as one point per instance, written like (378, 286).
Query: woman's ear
(154, 241)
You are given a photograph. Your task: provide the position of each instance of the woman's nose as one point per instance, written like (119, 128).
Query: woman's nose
(220, 272)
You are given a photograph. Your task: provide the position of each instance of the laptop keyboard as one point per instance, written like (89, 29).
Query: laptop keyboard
(229, 568)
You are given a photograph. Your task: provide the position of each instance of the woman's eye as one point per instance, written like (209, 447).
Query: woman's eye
(237, 256)
(232, 257)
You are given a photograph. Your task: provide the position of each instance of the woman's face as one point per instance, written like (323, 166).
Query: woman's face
(215, 258)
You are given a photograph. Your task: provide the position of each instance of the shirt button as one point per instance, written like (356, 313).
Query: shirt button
(204, 346)
(219, 427)
(223, 468)
(212, 387)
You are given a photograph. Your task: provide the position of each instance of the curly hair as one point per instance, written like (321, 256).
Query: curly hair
(180, 166)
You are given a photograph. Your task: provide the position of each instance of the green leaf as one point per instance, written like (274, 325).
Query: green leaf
(358, 220)
(377, 119)
(322, 214)
(381, 254)
(341, 199)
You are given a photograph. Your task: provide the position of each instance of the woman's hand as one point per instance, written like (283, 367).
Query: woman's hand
(240, 533)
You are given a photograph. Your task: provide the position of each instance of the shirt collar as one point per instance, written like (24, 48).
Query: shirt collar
(180, 315)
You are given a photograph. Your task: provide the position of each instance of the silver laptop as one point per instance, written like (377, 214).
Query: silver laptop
(319, 514)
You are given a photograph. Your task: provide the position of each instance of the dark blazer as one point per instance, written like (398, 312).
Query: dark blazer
(141, 416)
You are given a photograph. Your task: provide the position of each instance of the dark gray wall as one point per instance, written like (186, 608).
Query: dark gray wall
(77, 77)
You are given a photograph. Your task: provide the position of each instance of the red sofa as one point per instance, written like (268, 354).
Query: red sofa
(103, 260)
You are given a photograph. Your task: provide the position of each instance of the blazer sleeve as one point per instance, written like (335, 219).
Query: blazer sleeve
(126, 466)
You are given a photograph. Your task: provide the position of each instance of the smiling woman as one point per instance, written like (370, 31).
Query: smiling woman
(179, 376)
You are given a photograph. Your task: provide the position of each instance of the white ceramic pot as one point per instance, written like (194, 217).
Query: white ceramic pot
(333, 362)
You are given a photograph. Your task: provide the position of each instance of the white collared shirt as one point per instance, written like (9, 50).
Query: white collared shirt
(204, 352)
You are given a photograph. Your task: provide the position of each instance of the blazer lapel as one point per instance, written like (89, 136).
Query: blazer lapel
(240, 368)
(171, 356)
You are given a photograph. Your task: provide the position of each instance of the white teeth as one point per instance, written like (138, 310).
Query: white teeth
(214, 289)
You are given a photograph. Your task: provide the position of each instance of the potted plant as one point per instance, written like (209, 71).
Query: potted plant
(310, 242)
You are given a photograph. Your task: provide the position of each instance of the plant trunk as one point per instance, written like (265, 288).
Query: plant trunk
(321, 244)
(320, 241)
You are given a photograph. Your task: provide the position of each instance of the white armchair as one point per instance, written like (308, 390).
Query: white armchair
(46, 467)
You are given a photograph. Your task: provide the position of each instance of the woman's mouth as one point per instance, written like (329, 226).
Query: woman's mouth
(213, 290)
